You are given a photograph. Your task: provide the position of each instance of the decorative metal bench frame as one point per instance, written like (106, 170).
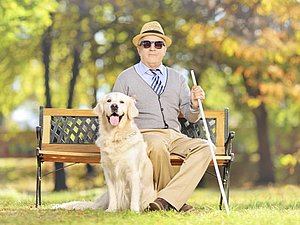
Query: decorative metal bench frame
(68, 136)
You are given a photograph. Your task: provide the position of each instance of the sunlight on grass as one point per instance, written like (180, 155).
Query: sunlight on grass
(264, 205)
(260, 205)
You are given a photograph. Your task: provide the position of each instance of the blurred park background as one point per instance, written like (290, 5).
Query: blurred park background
(245, 54)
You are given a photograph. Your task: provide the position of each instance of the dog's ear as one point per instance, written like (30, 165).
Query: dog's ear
(98, 110)
(132, 110)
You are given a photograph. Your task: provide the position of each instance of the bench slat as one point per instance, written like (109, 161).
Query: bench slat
(68, 159)
(80, 148)
(88, 148)
(79, 157)
(68, 112)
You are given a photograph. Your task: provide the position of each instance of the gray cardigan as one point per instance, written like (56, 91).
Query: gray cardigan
(156, 112)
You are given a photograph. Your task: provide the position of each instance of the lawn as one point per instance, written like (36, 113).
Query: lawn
(259, 205)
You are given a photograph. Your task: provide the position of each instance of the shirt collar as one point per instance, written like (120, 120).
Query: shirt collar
(144, 69)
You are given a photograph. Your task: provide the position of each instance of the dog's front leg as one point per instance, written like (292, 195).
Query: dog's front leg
(112, 205)
(135, 192)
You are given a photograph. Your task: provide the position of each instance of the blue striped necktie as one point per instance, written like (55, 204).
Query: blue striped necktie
(156, 84)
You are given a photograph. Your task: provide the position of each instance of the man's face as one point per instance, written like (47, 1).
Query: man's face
(152, 57)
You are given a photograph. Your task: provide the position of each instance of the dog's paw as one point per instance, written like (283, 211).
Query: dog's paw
(135, 208)
(110, 210)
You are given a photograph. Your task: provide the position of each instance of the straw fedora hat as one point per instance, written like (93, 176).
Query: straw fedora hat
(152, 28)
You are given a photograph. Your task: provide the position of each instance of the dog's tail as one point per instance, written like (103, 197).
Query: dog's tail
(100, 203)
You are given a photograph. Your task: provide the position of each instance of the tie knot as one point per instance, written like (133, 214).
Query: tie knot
(155, 72)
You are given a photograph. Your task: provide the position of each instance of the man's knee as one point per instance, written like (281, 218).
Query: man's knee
(155, 144)
(201, 147)
(158, 150)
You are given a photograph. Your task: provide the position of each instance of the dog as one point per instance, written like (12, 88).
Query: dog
(127, 169)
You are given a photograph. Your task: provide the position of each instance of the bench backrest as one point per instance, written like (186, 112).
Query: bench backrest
(217, 122)
(74, 131)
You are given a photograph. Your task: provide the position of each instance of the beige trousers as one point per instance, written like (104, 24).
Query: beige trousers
(176, 188)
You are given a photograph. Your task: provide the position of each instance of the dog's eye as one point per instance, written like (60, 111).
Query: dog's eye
(122, 102)
(108, 100)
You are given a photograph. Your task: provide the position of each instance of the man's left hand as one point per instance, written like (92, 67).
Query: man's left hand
(197, 93)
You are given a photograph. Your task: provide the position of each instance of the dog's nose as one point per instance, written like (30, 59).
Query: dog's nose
(114, 107)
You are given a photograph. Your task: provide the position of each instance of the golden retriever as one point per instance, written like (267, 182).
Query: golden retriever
(127, 169)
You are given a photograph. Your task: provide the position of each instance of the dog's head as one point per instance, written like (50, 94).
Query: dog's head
(116, 109)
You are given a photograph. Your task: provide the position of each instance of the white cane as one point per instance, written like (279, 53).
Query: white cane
(211, 147)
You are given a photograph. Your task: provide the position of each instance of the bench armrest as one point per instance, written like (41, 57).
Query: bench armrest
(228, 144)
(38, 131)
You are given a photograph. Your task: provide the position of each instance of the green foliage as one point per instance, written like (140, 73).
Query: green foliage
(289, 162)
(22, 24)
(244, 53)
(23, 20)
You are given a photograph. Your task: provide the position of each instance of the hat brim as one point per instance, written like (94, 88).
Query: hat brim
(137, 38)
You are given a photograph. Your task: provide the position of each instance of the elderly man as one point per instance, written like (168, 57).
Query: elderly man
(162, 93)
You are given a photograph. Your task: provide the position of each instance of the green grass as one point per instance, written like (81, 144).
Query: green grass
(260, 205)
(280, 205)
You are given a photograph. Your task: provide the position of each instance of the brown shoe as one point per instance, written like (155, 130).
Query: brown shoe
(159, 204)
(186, 208)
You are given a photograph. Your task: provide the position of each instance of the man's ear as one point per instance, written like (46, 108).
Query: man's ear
(132, 110)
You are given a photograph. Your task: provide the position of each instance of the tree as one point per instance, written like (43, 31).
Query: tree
(237, 36)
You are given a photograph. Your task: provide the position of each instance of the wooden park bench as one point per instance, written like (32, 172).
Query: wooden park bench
(68, 136)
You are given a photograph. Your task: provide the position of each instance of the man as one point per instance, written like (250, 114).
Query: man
(162, 93)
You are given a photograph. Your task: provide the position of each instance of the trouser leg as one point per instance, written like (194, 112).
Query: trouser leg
(160, 158)
(182, 185)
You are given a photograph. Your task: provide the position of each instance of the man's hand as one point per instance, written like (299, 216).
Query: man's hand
(197, 93)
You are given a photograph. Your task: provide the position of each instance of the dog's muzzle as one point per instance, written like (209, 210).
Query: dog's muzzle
(114, 119)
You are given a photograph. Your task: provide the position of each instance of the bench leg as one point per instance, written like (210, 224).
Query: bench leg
(38, 183)
(226, 183)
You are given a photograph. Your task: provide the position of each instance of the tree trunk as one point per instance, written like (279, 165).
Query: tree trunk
(46, 48)
(59, 177)
(265, 164)
(75, 72)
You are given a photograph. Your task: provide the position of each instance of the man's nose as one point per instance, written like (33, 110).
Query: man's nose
(152, 46)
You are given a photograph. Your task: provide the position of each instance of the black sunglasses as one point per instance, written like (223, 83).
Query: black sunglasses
(157, 44)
